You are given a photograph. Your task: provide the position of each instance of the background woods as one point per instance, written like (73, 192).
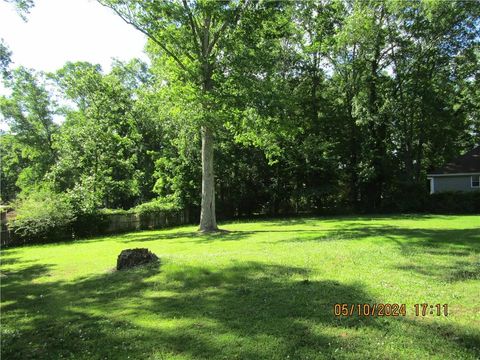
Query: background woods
(292, 106)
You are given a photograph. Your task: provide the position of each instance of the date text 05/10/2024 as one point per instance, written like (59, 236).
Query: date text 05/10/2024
(424, 309)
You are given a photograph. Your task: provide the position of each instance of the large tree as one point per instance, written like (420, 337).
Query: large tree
(28, 111)
(190, 34)
(98, 144)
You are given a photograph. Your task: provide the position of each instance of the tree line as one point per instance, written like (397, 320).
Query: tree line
(252, 107)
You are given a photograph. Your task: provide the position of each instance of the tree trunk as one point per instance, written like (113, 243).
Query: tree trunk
(208, 221)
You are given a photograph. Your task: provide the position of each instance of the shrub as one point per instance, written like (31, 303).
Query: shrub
(159, 213)
(106, 211)
(43, 215)
(454, 202)
(84, 196)
(406, 196)
(163, 205)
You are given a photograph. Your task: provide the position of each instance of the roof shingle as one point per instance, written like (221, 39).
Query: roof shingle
(467, 163)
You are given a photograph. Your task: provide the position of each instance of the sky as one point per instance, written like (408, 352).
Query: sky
(57, 31)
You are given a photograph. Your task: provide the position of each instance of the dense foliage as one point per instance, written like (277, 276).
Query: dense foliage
(314, 106)
(43, 215)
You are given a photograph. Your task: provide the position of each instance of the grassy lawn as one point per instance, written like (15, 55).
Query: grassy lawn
(265, 290)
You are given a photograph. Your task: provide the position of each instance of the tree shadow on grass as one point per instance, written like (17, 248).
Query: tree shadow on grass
(16, 279)
(430, 252)
(436, 246)
(246, 310)
(190, 236)
(445, 254)
(9, 258)
(363, 219)
(453, 272)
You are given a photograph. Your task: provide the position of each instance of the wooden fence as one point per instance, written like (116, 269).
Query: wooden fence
(110, 224)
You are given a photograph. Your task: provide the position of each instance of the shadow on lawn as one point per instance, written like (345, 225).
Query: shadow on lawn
(248, 311)
(192, 236)
(443, 246)
(409, 239)
(336, 218)
(431, 252)
(195, 237)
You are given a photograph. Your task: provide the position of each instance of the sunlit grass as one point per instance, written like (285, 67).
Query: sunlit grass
(265, 289)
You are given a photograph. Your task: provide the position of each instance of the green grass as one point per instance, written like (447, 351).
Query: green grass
(244, 294)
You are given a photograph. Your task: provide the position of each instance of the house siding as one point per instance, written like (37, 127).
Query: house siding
(453, 183)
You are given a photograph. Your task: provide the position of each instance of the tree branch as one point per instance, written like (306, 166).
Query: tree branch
(148, 34)
(193, 27)
(206, 36)
(216, 36)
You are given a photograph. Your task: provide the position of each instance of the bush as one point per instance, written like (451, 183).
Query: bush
(454, 202)
(159, 213)
(105, 211)
(88, 224)
(407, 197)
(156, 206)
(43, 216)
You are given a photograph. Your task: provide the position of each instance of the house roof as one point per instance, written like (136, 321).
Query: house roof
(467, 163)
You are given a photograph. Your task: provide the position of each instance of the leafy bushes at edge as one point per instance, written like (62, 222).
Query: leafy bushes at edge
(163, 205)
(454, 202)
(43, 215)
(46, 216)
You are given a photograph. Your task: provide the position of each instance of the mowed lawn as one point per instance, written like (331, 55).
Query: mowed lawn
(264, 290)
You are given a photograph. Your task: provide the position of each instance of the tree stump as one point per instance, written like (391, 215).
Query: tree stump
(130, 258)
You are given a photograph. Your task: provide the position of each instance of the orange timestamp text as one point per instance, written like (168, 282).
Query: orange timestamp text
(389, 309)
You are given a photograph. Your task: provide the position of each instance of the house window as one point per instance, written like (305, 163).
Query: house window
(475, 181)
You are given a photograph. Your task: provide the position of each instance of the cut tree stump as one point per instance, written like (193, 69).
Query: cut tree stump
(130, 258)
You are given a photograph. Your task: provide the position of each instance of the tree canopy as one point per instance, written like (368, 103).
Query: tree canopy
(308, 106)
